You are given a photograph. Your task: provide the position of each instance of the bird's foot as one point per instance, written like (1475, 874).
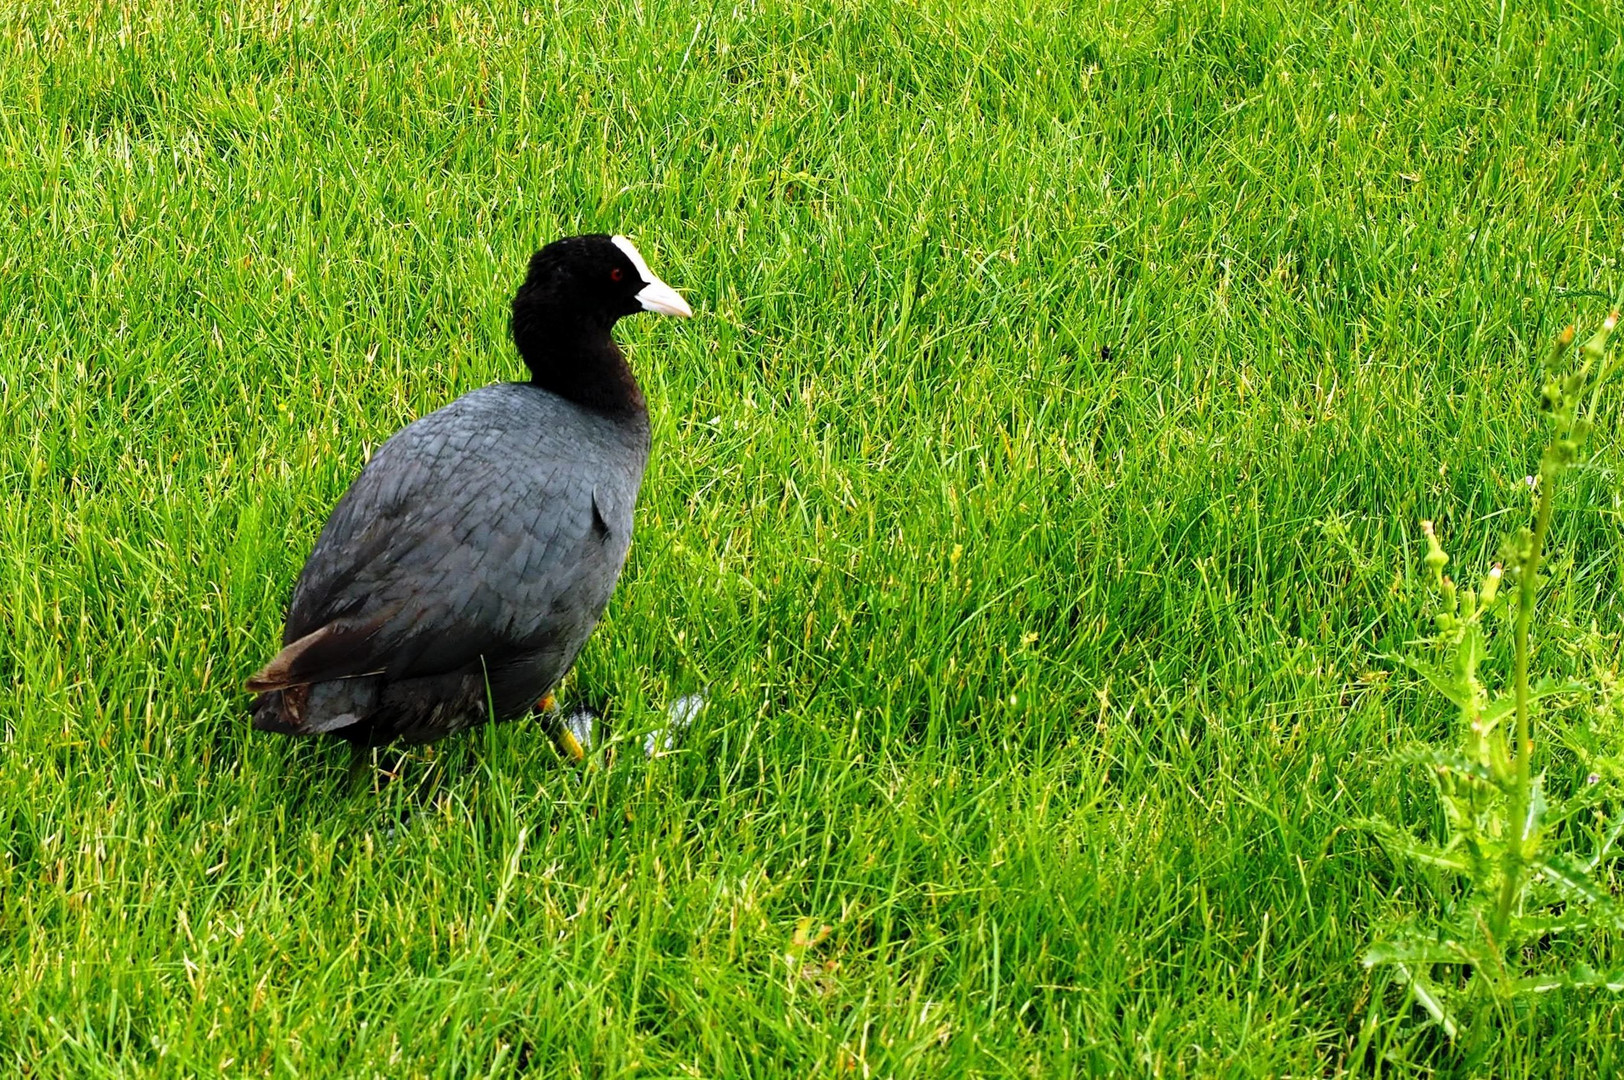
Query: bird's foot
(574, 733)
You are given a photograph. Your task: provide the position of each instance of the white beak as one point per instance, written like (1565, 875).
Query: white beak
(659, 297)
(655, 295)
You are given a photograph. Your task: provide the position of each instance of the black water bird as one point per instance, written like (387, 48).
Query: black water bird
(459, 576)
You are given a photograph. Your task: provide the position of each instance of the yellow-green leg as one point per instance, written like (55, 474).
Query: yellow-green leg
(564, 739)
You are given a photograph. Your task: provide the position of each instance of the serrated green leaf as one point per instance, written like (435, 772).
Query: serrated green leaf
(1506, 704)
(1418, 950)
(1532, 927)
(1568, 879)
(1427, 996)
(1442, 681)
(1586, 799)
(1615, 828)
(1535, 818)
(1468, 654)
(1574, 884)
(1496, 711)
(1549, 687)
(1450, 761)
(1581, 978)
(1397, 842)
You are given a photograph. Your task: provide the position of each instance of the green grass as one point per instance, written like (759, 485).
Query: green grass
(1046, 678)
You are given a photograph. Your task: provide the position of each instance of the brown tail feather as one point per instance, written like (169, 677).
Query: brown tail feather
(335, 651)
(278, 674)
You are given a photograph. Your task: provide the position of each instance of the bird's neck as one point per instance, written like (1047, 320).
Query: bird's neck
(586, 368)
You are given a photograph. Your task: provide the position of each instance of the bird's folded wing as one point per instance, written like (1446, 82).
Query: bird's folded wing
(431, 562)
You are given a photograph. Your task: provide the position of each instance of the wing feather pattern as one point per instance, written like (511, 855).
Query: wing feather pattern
(457, 547)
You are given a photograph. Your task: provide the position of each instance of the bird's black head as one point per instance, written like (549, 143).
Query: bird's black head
(562, 315)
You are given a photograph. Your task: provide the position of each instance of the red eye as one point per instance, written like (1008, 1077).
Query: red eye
(615, 274)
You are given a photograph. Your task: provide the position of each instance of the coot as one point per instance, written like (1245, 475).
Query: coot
(464, 569)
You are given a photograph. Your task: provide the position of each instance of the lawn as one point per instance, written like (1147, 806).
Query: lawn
(1035, 496)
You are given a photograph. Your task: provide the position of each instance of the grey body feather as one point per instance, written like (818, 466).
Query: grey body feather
(469, 562)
